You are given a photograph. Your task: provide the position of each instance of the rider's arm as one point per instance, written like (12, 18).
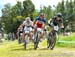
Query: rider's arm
(49, 22)
(44, 23)
(35, 22)
(19, 28)
(23, 23)
(31, 24)
(62, 25)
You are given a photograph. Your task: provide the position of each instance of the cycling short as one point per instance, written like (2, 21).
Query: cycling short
(27, 29)
(40, 30)
(56, 28)
(20, 31)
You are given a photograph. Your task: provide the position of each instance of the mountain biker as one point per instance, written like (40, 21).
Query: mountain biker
(56, 21)
(20, 30)
(40, 22)
(20, 33)
(27, 24)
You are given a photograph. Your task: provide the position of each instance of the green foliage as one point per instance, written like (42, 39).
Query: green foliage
(48, 12)
(13, 16)
(67, 8)
(28, 7)
(35, 14)
(67, 41)
(13, 49)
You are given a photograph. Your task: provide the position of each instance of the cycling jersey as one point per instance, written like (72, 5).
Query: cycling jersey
(55, 22)
(27, 23)
(40, 22)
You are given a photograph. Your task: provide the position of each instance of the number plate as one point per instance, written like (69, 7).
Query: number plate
(20, 33)
(56, 28)
(26, 31)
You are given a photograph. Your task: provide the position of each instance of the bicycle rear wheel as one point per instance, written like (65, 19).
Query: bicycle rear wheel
(26, 41)
(36, 42)
(51, 41)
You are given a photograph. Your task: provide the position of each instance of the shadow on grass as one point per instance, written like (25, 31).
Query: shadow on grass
(28, 49)
(43, 49)
(22, 49)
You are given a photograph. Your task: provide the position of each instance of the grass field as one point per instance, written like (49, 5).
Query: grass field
(67, 41)
(13, 49)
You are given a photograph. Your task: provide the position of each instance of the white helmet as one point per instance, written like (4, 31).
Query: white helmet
(27, 19)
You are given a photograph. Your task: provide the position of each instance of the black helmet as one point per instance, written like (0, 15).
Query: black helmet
(59, 15)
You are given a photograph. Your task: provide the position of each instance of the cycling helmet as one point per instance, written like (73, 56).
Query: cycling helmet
(27, 19)
(41, 14)
(59, 15)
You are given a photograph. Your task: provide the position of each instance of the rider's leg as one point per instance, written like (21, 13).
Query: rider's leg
(34, 34)
(51, 29)
(31, 35)
(42, 33)
(23, 37)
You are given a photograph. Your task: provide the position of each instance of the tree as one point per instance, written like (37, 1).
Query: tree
(6, 16)
(28, 7)
(13, 16)
(48, 12)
